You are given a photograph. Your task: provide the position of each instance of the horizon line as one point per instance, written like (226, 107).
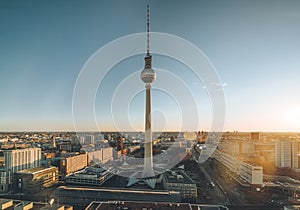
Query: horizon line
(142, 131)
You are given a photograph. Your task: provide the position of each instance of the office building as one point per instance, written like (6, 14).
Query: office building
(90, 176)
(16, 160)
(101, 155)
(30, 181)
(179, 181)
(71, 164)
(20, 159)
(252, 174)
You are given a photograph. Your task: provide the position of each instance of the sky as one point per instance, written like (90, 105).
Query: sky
(254, 47)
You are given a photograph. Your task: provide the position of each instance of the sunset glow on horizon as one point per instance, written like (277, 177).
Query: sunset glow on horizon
(253, 46)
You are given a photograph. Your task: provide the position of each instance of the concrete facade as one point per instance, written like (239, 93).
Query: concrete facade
(248, 172)
(16, 160)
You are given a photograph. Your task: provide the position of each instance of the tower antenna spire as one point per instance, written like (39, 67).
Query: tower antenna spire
(148, 29)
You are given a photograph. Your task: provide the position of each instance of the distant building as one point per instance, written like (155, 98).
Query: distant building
(33, 180)
(54, 142)
(116, 154)
(89, 139)
(179, 181)
(120, 143)
(65, 146)
(234, 148)
(16, 160)
(71, 164)
(255, 136)
(48, 155)
(247, 148)
(252, 174)
(237, 147)
(268, 155)
(266, 150)
(101, 155)
(287, 154)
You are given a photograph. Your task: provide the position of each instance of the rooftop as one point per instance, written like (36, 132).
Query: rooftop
(35, 170)
(150, 205)
(178, 176)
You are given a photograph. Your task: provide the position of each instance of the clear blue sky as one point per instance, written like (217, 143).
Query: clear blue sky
(254, 46)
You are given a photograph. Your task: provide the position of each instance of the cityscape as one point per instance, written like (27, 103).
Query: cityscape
(251, 170)
(181, 105)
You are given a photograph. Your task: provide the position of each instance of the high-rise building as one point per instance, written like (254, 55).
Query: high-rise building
(20, 159)
(283, 153)
(286, 154)
(16, 160)
(295, 154)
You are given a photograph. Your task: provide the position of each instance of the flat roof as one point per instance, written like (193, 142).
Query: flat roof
(83, 196)
(119, 190)
(178, 176)
(34, 170)
(96, 205)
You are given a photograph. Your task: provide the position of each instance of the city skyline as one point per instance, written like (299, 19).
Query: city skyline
(254, 47)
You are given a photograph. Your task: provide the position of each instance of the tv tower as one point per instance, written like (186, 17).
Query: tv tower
(148, 76)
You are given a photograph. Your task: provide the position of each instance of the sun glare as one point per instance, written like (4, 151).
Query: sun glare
(293, 116)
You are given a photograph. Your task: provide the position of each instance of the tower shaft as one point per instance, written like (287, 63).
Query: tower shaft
(148, 155)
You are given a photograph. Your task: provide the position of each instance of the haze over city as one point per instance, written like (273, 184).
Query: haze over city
(254, 46)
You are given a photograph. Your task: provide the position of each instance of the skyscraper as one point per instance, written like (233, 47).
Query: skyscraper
(287, 154)
(148, 76)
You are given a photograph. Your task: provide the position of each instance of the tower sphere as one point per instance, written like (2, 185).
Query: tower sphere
(148, 75)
